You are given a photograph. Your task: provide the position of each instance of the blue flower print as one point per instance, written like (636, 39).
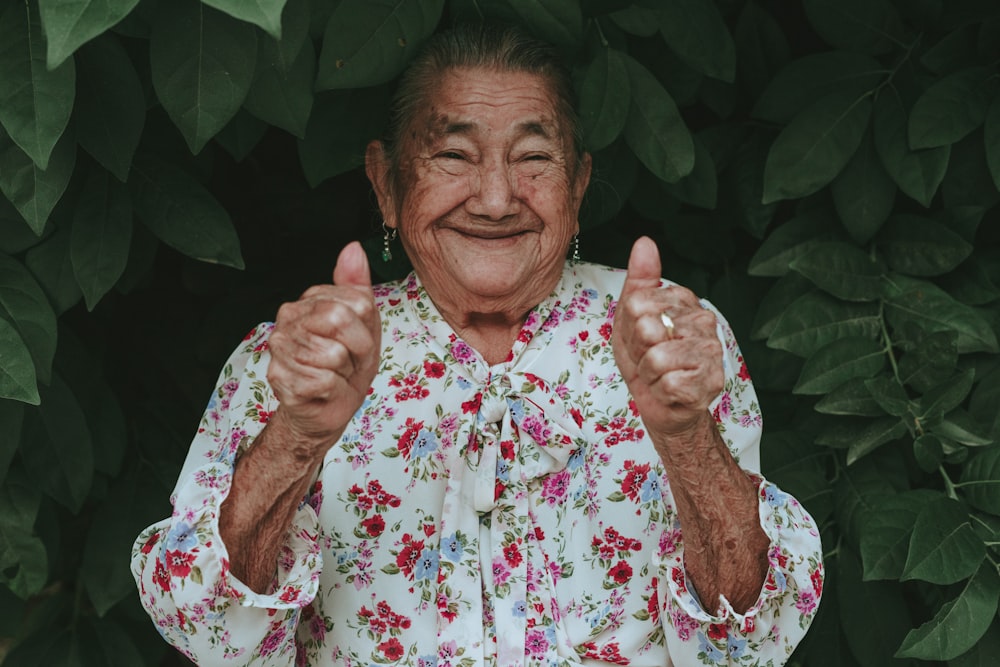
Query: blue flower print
(425, 443)
(712, 654)
(516, 411)
(774, 497)
(520, 609)
(451, 548)
(427, 564)
(650, 489)
(181, 537)
(575, 459)
(462, 382)
(737, 647)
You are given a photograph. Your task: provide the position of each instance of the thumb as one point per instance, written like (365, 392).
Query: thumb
(352, 267)
(643, 265)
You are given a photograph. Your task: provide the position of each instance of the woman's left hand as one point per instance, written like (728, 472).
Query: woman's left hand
(673, 375)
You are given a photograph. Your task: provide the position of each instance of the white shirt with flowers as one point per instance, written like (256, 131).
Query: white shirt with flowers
(476, 515)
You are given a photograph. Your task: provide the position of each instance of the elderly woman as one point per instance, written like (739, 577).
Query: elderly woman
(503, 459)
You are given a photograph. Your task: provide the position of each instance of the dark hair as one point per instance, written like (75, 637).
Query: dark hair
(479, 46)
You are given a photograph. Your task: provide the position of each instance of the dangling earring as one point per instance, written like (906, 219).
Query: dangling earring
(576, 249)
(388, 234)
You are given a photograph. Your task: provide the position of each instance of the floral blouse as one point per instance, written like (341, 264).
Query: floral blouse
(475, 515)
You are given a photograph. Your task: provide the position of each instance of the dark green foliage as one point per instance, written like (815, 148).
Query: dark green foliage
(826, 171)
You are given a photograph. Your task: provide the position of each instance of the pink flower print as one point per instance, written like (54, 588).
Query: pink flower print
(535, 644)
(500, 571)
(462, 352)
(683, 624)
(273, 640)
(537, 429)
(555, 486)
(806, 603)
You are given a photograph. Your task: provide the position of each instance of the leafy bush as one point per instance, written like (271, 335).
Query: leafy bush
(826, 171)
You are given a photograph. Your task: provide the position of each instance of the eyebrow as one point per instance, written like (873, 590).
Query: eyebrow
(441, 126)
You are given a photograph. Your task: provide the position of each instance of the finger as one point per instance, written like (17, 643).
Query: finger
(644, 268)
(683, 370)
(352, 267)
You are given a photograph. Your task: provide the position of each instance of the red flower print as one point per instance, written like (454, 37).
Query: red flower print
(405, 442)
(584, 335)
(160, 576)
(289, 594)
(744, 374)
(577, 417)
(148, 546)
(717, 631)
(472, 407)
(434, 369)
(817, 581)
(374, 525)
(605, 331)
(621, 572)
(512, 554)
(677, 574)
(406, 559)
(179, 563)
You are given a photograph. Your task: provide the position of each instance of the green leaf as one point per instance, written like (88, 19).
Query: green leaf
(943, 547)
(874, 615)
(341, 125)
(885, 534)
(367, 42)
(921, 247)
(873, 436)
(102, 232)
(12, 417)
(761, 48)
(842, 270)
(604, 99)
(110, 106)
(962, 428)
(17, 371)
(951, 108)
(912, 301)
(60, 454)
(867, 26)
(863, 193)
(283, 97)
(202, 64)
(798, 467)
(960, 623)
(294, 33)
(816, 320)
(815, 146)
(980, 481)
(931, 358)
(265, 14)
(68, 24)
(985, 398)
(840, 361)
(105, 643)
(23, 560)
(985, 651)
(918, 173)
(636, 20)
(697, 33)
(558, 22)
(991, 136)
(747, 171)
(182, 214)
(105, 566)
(795, 238)
(928, 451)
(35, 103)
(946, 396)
(700, 187)
(50, 263)
(850, 398)
(655, 130)
(241, 135)
(23, 304)
(816, 76)
(15, 236)
(32, 190)
(890, 395)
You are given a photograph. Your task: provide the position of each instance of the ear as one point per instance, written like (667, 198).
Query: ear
(582, 178)
(377, 170)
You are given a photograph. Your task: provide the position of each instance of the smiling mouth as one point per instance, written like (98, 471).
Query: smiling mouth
(490, 235)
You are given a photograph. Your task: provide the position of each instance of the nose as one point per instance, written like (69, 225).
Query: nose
(494, 193)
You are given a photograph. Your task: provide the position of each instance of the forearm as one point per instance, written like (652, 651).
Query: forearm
(716, 502)
(269, 482)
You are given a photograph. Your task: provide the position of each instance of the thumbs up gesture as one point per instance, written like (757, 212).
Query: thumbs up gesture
(325, 352)
(673, 373)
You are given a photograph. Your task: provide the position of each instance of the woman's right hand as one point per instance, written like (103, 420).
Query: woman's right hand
(324, 355)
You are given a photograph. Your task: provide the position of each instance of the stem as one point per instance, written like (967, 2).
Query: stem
(949, 486)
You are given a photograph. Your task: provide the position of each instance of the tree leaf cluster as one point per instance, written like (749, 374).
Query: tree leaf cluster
(826, 171)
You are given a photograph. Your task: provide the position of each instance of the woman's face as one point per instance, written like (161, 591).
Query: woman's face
(488, 192)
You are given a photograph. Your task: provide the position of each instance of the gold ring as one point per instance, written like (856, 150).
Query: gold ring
(668, 323)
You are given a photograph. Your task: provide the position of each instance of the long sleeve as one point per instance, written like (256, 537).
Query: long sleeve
(181, 565)
(705, 633)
